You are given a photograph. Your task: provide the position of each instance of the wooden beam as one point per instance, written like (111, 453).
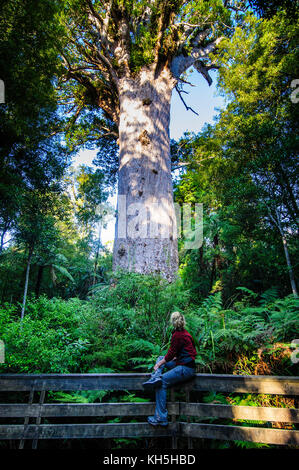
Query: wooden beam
(254, 413)
(17, 410)
(135, 430)
(202, 382)
(39, 418)
(174, 440)
(247, 384)
(26, 418)
(57, 382)
(85, 431)
(240, 433)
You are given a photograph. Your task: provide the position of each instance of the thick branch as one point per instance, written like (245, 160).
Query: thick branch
(101, 23)
(181, 63)
(105, 97)
(229, 6)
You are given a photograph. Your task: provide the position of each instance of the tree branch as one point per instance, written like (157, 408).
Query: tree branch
(101, 23)
(186, 106)
(227, 4)
(181, 63)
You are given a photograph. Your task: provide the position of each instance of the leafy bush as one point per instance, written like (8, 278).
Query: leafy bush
(118, 327)
(48, 340)
(125, 327)
(247, 337)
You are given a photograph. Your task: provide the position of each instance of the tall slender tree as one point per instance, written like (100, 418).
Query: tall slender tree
(126, 57)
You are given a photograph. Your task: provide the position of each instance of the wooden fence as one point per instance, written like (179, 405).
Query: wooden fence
(182, 414)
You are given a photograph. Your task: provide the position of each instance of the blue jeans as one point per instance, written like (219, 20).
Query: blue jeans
(175, 375)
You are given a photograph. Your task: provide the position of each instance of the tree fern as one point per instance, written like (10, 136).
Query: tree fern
(269, 296)
(213, 303)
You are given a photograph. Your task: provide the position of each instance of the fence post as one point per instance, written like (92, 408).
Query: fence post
(26, 419)
(173, 420)
(38, 419)
(190, 442)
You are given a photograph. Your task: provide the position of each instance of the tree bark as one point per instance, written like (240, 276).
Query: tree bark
(26, 282)
(97, 255)
(146, 233)
(2, 240)
(289, 264)
(39, 280)
(4, 231)
(277, 221)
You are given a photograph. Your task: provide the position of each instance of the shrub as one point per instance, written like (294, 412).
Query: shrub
(125, 326)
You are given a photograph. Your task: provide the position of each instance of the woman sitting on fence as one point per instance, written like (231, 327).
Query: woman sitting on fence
(180, 362)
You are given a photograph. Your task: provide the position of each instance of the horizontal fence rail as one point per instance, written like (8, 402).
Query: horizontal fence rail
(202, 382)
(178, 411)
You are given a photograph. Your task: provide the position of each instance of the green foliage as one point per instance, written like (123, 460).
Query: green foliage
(223, 335)
(234, 289)
(135, 316)
(126, 327)
(244, 168)
(116, 330)
(48, 340)
(119, 328)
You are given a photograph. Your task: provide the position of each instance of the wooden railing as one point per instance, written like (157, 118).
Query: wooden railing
(178, 410)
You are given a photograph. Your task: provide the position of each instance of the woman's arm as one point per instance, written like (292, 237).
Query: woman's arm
(160, 363)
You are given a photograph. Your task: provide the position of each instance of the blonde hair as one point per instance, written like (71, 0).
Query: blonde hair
(178, 320)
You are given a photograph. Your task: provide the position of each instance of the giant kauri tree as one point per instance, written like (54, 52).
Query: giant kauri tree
(126, 57)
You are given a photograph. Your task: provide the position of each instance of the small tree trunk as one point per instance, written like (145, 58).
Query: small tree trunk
(277, 221)
(2, 241)
(290, 269)
(213, 273)
(26, 282)
(146, 233)
(97, 256)
(39, 280)
(4, 231)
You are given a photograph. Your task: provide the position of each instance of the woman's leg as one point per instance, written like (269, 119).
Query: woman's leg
(155, 379)
(176, 375)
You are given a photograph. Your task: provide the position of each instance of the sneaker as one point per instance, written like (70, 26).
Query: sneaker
(156, 422)
(152, 383)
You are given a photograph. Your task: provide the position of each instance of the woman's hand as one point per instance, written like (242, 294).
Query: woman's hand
(159, 364)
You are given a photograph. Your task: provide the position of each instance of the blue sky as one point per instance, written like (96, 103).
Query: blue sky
(203, 99)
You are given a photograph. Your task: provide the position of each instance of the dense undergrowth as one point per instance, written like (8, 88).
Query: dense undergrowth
(124, 326)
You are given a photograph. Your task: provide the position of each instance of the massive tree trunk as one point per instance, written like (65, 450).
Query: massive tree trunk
(146, 233)
(110, 49)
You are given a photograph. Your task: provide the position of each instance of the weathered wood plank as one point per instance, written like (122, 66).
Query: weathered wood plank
(174, 440)
(67, 382)
(26, 420)
(39, 418)
(15, 410)
(240, 433)
(133, 430)
(202, 382)
(190, 442)
(255, 413)
(247, 384)
(85, 431)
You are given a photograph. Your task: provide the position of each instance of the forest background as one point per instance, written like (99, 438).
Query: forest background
(60, 301)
